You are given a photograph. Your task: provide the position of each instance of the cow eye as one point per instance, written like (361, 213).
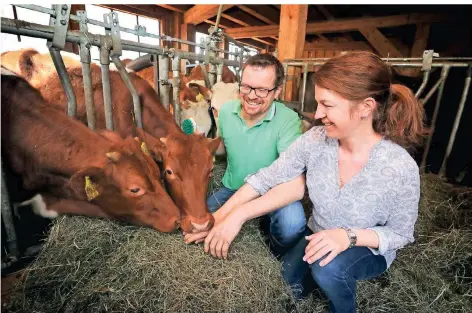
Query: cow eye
(135, 190)
(169, 172)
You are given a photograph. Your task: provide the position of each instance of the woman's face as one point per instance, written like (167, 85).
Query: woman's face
(338, 115)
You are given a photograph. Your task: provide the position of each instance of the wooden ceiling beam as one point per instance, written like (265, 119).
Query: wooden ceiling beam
(202, 12)
(264, 41)
(150, 11)
(256, 14)
(171, 8)
(350, 45)
(343, 24)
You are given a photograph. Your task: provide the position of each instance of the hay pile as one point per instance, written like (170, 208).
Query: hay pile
(92, 265)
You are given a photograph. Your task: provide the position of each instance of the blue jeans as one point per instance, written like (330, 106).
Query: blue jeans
(286, 225)
(337, 279)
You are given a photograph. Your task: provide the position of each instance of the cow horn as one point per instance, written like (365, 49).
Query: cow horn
(163, 140)
(113, 156)
(200, 227)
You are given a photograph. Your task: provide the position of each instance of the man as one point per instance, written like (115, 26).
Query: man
(255, 130)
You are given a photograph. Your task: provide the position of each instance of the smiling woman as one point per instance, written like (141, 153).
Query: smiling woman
(363, 183)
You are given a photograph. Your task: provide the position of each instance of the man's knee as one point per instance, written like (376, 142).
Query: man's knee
(288, 224)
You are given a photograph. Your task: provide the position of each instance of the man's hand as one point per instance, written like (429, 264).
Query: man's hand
(222, 235)
(332, 241)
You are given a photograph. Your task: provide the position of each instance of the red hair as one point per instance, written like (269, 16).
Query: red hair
(359, 75)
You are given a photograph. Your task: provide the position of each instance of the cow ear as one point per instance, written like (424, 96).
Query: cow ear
(197, 89)
(213, 144)
(152, 144)
(86, 183)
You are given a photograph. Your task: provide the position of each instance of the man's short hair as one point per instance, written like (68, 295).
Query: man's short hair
(266, 60)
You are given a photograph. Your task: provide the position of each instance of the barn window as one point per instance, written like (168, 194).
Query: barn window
(13, 42)
(125, 20)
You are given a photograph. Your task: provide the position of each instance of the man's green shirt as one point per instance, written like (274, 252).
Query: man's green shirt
(250, 149)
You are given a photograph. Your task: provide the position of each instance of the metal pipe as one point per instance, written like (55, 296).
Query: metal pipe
(155, 71)
(390, 59)
(398, 64)
(212, 70)
(134, 94)
(65, 81)
(105, 66)
(305, 76)
(423, 84)
(455, 127)
(176, 88)
(444, 73)
(140, 63)
(432, 90)
(236, 43)
(46, 32)
(85, 60)
(163, 81)
(7, 219)
(218, 16)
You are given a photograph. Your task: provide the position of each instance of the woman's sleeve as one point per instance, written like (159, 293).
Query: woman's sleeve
(290, 164)
(403, 201)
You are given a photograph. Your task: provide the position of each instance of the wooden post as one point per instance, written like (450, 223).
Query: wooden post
(224, 45)
(73, 25)
(187, 32)
(292, 31)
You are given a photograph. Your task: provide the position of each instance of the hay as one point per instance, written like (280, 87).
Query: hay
(92, 265)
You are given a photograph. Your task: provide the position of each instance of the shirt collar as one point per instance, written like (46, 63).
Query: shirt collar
(269, 115)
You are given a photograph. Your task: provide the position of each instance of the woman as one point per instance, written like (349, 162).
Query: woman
(363, 184)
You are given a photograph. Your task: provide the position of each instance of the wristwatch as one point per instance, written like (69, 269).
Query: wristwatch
(352, 236)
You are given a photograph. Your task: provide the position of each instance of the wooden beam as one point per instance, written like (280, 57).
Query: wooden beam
(291, 40)
(235, 20)
(264, 41)
(150, 11)
(202, 12)
(171, 8)
(344, 24)
(352, 45)
(381, 43)
(325, 12)
(256, 14)
(420, 44)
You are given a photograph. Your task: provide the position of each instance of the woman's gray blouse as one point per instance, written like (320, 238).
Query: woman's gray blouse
(382, 196)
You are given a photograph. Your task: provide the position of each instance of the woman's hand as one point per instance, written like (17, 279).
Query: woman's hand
(222, 235)
(199, 237)
(332, 241)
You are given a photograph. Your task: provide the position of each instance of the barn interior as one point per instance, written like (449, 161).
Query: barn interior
(316, 32)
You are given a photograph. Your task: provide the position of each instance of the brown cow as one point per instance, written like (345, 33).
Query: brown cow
(188, 157)
(76, 170)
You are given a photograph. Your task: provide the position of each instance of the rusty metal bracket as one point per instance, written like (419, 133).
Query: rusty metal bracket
(61, 25)
(428, 59)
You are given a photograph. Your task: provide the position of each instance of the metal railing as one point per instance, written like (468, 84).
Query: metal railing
(427, 63)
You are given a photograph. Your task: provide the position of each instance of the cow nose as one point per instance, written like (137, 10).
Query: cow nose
(177, 223)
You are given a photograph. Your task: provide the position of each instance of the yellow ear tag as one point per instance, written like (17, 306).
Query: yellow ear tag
(200, 97)
(145, 148)
(90, 189)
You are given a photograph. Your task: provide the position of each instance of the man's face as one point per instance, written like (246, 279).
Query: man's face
(256, 103)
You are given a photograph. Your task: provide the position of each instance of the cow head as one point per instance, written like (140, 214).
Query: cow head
(194, 103)
(187, 162)
(128, 187)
